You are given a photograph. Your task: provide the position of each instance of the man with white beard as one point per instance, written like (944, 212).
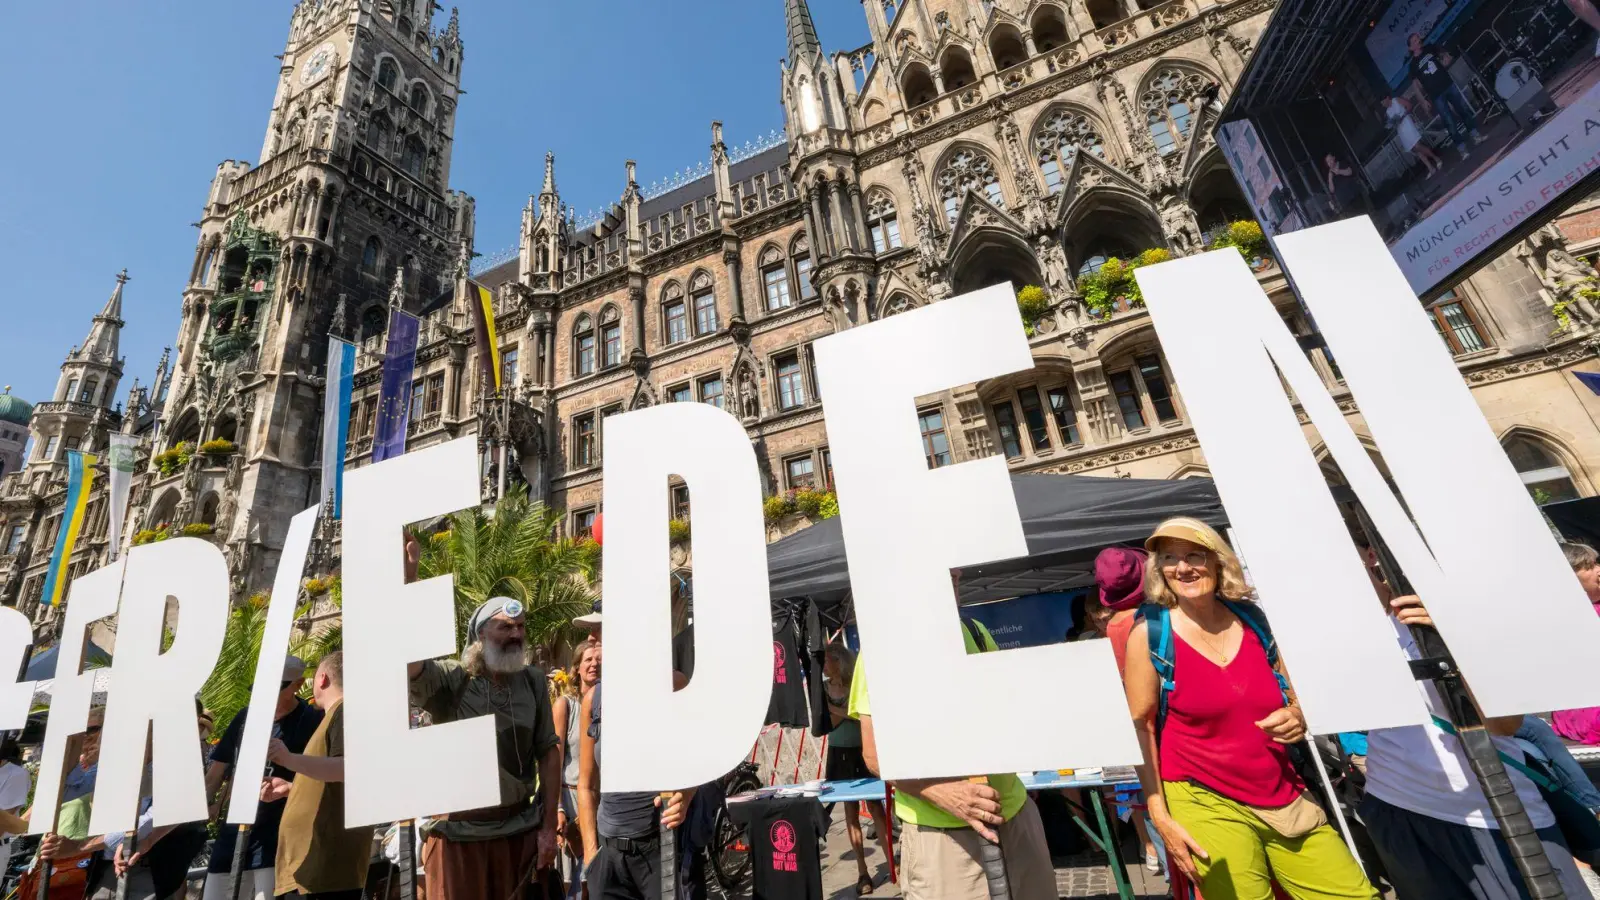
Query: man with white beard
(493, 852)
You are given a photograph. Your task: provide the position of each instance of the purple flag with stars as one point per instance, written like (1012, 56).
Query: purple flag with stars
(394, 401)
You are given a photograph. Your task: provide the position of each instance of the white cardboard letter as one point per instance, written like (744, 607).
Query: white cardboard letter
(906, 527)
(16, 636)
(92, 596)
(269, 668)
(153, 692)
(726, 700)
(1488, 540)
(1217, 328)
(393, 772)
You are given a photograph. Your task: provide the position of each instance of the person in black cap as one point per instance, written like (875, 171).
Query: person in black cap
(294, 722)
(493, 852)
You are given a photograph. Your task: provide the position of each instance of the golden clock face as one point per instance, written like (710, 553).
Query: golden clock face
(318, 65)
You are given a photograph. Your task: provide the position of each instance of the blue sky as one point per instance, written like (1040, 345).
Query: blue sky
(120, 113)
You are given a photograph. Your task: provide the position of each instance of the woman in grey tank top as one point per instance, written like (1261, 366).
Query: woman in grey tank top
(567, 711)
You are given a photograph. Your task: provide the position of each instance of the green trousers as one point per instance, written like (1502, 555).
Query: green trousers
(1244, 855)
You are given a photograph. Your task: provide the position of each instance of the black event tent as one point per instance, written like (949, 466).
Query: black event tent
(1067, 520)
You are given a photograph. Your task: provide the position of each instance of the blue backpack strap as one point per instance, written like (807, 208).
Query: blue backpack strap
(1158, 631)
(1256, 620)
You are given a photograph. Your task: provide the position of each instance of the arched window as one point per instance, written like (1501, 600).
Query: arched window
(372, 322)
(1097, 254)
(1104, 12)
(1062, 135)
(1049, 28)
(419, 98)
(956, 67)
(610, 337)
(674, 315)
(1167, 107)
(583, 346)
(378, 134)
(703, 297)
(90, 388)
(775, 280)
(388, 74)
(917, 85)
(372, 256)
(968, 170)
(205, 266)
(415, 155)
(897, 304)
(883, 223)
(1006, 47)
(800, 255)
(208, 510)
(1544, 474)
(72, 390)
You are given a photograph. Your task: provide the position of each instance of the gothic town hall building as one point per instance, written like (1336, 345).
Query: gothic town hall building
(972, 142)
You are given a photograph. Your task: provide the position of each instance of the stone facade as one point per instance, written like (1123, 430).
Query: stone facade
(971, 142)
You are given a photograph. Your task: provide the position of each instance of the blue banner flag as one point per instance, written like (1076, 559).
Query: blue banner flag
(336, 421)
(1591, 380)
(394, 401)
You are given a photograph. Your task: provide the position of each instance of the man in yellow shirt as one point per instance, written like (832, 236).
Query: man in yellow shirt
(946, 820)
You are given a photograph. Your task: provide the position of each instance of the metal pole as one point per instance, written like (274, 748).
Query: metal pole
(669, 857)
(405, 857)
(1436, 665)
(131, 839)
(235, 867)
(993, 861)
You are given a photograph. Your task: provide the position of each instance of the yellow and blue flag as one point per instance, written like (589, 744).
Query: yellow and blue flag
(80, 481)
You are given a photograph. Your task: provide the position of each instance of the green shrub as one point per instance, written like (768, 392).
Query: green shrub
(198, 529)
(169, 462)
(809, 502)
(776, 507)
(1244, 235)
(830, 507)
(1032, 304)
(151, 535)
(218, 447)
(678, 530)
(316, 587)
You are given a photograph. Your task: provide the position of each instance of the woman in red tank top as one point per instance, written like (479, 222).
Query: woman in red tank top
(1221, 790)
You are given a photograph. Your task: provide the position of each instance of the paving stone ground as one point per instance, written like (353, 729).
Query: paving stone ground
(1085, 875)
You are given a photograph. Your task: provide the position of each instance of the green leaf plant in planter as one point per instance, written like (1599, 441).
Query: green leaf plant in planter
(1245, 236)
(1032, 304)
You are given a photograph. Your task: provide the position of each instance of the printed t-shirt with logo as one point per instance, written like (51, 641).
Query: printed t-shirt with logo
(914, 809)
(784, 832)
(788, 704)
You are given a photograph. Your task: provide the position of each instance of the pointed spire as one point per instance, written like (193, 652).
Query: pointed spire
(104, 333)
(802, 31)
(549, 189)
(452, 31)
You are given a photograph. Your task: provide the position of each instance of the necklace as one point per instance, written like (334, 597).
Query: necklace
(1205, 638)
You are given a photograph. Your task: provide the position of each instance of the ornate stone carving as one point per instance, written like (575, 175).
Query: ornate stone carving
(1565, 277)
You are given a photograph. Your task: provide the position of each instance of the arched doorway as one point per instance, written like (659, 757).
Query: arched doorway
(990, 257)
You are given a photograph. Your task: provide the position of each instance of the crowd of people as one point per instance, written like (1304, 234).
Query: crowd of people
(1228, 805)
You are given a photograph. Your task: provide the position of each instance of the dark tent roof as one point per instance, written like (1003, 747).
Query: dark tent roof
(1067, 519)
(42, 666)
(1578, 520)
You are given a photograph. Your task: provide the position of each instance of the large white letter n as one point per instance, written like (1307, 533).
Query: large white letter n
(906, 526)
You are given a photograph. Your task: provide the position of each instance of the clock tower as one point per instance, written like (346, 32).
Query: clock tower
(348, 205)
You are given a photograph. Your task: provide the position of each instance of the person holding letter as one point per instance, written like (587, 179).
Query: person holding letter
(1233, 812)
(493, 852)
(318, 858)
(946, 821)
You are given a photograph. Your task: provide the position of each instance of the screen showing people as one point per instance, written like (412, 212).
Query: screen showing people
(1451, 124)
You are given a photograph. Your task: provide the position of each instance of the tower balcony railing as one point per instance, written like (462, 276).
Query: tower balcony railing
(65, 407)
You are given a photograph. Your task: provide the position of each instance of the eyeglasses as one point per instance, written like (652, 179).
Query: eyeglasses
(1197, 559)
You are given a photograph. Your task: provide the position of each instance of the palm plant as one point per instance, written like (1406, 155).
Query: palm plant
(514, 552)
(227, 691)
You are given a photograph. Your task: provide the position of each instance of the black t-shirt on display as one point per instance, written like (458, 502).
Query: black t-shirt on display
(295, 729)
(783, 834)
(788, 704)
(1430, 69)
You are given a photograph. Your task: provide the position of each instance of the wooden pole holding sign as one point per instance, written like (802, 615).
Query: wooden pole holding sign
(405, 858)
(669, 856)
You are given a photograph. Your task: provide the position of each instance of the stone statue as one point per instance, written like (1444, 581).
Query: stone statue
(749, 396)
(1565, 277)
(1180, 226)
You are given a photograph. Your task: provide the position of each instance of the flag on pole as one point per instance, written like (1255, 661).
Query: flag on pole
(120, 459)
(394, 399)
(1591, 380)
(336, 421)
(80, 481)
(488, 340)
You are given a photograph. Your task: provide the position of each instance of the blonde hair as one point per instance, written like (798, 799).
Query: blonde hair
(1230, 577)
